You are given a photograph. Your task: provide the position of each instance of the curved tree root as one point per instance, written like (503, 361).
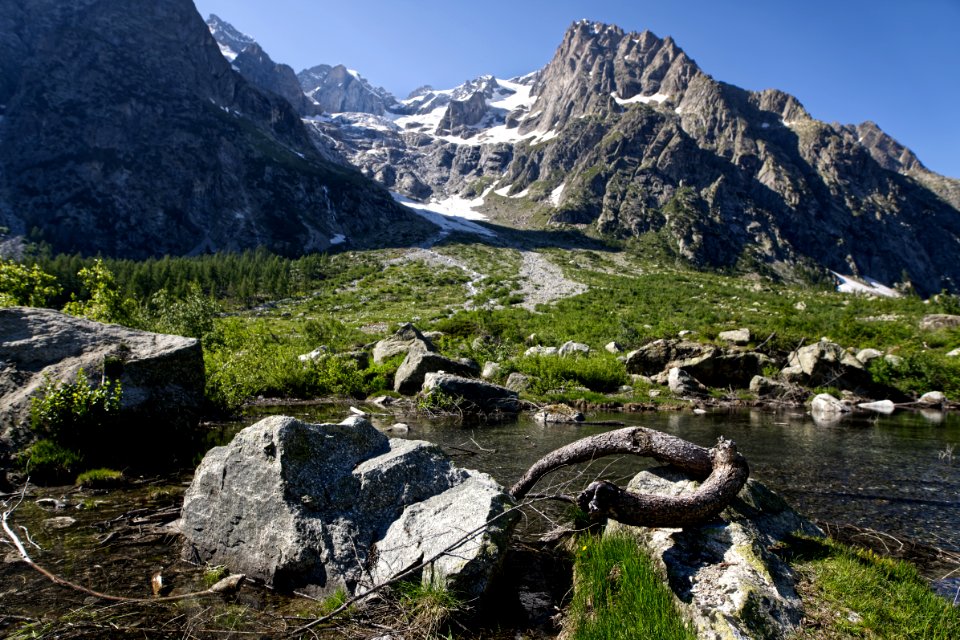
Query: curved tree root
(725, 472)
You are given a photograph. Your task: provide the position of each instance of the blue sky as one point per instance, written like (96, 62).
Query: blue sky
(896, 62)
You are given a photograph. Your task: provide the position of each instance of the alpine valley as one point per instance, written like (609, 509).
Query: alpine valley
(134, 130)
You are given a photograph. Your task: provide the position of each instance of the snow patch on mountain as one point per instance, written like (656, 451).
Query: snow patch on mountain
(453, 214)
(864, 285)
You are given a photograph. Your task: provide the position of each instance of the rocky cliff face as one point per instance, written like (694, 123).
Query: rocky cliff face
(105, 149)
(338, 89)
(252, 62)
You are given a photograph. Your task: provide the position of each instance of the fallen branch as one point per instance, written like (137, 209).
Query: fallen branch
(725, 472)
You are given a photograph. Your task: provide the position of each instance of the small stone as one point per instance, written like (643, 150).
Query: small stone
(866, 355)
(398, 427)
(316, 354)
(61, 522)
(540, 351)
(736, 336)
(490, 370)
(653, 393)
(613, 347)
(800, 306)
(685, 332)
(571, 348)
(954, 354)
(893, 361)
(828, 407)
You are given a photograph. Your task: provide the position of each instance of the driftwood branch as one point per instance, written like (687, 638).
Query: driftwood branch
(723, 470)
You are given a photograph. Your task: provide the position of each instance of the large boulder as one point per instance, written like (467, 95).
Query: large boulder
(472, 396)
(407, 338)
(724, 573)
(409, 377)
(718, 369)
(684, 385)
(322, 507)
(161, 376)
(654, 357)
(824, 364)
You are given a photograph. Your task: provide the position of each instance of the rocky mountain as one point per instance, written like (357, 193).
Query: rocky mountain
(253, 63)
(106, 149)
(624, 135)
(337, 89)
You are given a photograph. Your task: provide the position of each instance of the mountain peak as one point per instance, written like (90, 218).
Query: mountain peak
(232, 41)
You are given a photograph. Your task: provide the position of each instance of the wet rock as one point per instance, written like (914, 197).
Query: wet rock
(885, 407)
(937, 321)
(826, 408)
(162, 376)
(571, 348)
(724, 573)
(683, 384)
(61, 522)
(406, 338)
(736, 336)
(307, 507)
(409, 377)
(558, 414)
(473, 396)
(932, 399)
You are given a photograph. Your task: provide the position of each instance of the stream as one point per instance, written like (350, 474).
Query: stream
(898, 474)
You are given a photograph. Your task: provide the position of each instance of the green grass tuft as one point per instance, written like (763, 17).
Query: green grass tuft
(618, 594)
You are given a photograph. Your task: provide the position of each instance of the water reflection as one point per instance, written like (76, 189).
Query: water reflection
(882, 472)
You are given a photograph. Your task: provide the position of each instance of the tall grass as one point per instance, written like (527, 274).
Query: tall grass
(618, 594)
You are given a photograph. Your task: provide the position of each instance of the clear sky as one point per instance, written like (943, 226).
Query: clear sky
(896, 62)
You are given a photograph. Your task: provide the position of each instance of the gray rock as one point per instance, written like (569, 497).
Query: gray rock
(937, 321)
(892, 360)
(683, 384)
(953, 354)
(654, 357)
(540, 351)
(405, 339)
(736, 336)
(614, 347)
(825, 364)
(570, 348)
(307, 507)
(518, 382)
(409, 377)
(316, 354)
(558, 414)
(473, 395)
(161, 375)
(724, 574)
(933, 398)
(867, 355)
(769, 388)
(490, 370)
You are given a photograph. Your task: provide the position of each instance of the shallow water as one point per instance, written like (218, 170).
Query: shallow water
(889, 473)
